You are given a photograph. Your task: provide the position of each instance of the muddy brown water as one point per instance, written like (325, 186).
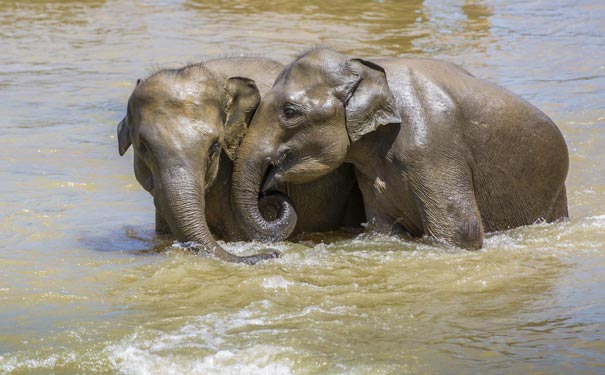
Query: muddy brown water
(87, 287)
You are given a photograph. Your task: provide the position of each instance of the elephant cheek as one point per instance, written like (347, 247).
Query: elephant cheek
(143, 174)
(308, 171)
(148, 186)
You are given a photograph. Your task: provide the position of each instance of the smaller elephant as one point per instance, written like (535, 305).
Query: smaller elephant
(437, 151)
(186, 125)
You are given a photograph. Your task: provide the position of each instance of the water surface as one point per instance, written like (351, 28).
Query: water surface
(87, 287)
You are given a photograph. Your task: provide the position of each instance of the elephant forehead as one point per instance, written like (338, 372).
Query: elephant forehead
(195, 91)
(195, 129)
(311, 94)
(306, 86)
(179, 128)
(187, 135)
(319, 68)
(163, 104)
(173, 88)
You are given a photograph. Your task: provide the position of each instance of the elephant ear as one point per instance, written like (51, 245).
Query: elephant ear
(242, 99)
(124, 141)
(369, 102)
(123, 136)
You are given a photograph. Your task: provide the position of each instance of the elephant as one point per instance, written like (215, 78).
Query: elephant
(439, 154)
(185, 126)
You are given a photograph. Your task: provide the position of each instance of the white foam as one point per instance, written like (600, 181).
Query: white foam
(136, 359)
(7, 364)
(152, 352)
(258, 359)
(502, 240)
(276, 282)
(14, 363)
(219, 340)
(598, 218)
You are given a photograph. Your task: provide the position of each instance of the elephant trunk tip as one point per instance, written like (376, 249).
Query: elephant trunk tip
(278, 210)
(221, 254)
(184, 209)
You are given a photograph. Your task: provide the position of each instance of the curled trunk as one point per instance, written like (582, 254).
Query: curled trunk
(277, 219)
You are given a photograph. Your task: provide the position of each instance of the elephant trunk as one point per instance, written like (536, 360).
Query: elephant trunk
(277, 219)
(183, 206)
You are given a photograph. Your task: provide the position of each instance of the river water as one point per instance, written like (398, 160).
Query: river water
(87, 287)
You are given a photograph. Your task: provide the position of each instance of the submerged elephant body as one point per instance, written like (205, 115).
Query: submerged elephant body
(185, 126)
(437, 151)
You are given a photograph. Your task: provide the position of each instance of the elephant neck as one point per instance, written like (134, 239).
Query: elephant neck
(362, 155)
(375, 151)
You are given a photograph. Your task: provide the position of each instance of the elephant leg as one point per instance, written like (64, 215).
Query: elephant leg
(559, 209)
(376, 219)
(160, 223)
(447, 203)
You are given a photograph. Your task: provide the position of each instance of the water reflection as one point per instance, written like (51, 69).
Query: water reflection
(477, 24)
(340, 24)
(21, 13)
(457, 29)
(477, 15)
(383, 27)
(130, 239)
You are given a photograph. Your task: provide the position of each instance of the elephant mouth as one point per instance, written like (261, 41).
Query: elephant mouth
(274, 172)
(273, 176)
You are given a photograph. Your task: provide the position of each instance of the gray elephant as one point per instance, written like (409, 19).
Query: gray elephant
(185, 126)
(437, 151)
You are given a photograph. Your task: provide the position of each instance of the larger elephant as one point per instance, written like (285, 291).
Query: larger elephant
(437, 151)
(185, 126)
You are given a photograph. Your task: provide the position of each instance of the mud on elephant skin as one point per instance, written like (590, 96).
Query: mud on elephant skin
(185, 126)
(437, 151)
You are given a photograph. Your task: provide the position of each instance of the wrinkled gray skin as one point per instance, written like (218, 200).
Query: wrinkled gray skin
(185, 126)
(437, 152)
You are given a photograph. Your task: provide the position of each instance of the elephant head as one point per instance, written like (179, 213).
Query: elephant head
(319, 105)
(178, 123)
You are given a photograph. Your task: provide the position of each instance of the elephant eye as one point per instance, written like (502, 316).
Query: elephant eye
(216, 146)
(289, 112)
(291, 116)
